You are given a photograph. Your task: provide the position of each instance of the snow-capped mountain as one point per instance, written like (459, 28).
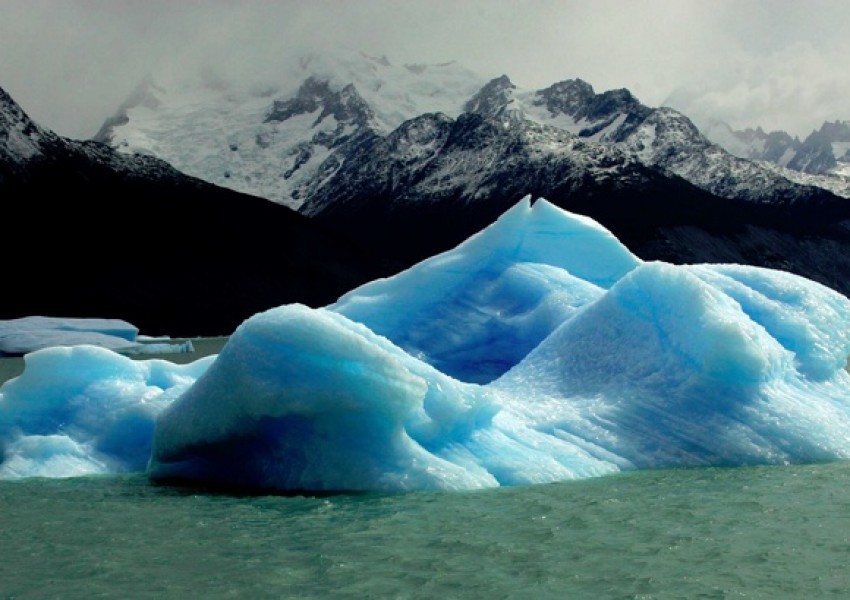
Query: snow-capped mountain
(94, 233)
(777, 147)
(284, 141)
(660, 137)
(25, 147)
(436, 180)
(281, 140)
(412, 160)
(822, 159)
(824, 151)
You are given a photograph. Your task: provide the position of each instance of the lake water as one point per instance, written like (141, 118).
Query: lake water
(765, 532)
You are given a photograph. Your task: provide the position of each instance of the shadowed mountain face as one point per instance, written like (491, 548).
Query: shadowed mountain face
(361, 147)
(285, 141)
(435, 181)
(88, 232)
(128, 236)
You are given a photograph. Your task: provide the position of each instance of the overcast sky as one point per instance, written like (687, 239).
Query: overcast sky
(775, 63)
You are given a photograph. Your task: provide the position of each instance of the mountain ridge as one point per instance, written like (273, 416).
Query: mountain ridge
(822, 158)
(415, 189)
(436, 180)
(275, 148)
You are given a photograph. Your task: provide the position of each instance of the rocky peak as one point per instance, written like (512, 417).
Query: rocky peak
(419, 137)
(350, 107)
(310, 96)
(12, 115)
(566, 97)
(20, 137)
(492, 99)
(615, 101)
(777, 144)
(815, 155)
(346, 105)
(837, 131)
(577, 99)
(750, 134)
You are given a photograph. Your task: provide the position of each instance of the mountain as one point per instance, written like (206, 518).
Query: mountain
(412, 160)
(91, 232)
(821, 159)
(435, 180)
(282, 138)
(824, 151)
(658, 137)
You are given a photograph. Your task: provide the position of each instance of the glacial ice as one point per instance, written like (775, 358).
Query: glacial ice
(539, 350)
(478, 310)
(85, 410)
(28, 334)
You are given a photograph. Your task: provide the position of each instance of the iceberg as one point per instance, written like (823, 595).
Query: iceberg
(305, 399)
(85, 410)
(539, 350)
(478, 310)
(669, 369)
(28, 334)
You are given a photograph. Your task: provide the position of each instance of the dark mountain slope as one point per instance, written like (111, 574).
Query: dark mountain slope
(89, 232)
(435, 181)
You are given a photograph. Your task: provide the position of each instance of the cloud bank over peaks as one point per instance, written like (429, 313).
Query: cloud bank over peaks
(795, 89)
(769, 62)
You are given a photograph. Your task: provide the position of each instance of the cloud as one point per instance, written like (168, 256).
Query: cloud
(70, 63)
(795, 88)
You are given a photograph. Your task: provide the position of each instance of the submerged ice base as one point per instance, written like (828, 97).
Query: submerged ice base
(539, 350)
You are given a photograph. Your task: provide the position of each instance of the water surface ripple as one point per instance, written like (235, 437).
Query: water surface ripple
(760, 532)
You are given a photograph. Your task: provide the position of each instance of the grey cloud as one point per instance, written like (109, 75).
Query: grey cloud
(70, 63)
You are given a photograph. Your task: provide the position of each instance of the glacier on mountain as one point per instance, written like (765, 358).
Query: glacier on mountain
(539, 350)
(285, 140)
(280, 139)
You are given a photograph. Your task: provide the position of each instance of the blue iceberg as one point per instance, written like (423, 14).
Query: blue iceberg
(539, 350)
(478, 310)
(85, 410)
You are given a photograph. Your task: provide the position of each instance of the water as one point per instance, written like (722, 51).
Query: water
(767, 532)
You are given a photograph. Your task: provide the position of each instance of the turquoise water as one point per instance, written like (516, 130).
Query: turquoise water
(767, 532)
